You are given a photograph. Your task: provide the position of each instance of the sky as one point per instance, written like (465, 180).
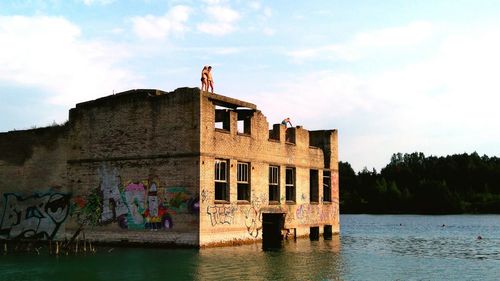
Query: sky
(391, 76)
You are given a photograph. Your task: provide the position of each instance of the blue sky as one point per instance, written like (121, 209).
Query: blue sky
(392, 76)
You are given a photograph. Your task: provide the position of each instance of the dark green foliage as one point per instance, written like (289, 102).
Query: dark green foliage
(414, 183)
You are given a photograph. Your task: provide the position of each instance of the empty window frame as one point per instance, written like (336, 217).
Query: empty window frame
(327, 186)
(222, 118)
(244, 121)
(243, 181)
(221, 180)
(290, 184)
(313, 186)
(274, 183)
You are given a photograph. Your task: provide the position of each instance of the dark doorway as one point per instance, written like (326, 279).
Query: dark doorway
(327, 232)
(314, 233)
(271, 230)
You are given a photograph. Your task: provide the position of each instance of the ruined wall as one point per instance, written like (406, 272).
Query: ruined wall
(225, 222)
(126, 166)
(139, 153)
(34, 199)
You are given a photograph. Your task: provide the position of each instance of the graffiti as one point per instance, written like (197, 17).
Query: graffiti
(142, 204)
(135, 198)
(253, 216)
(112, 204)
(307, 212)
(204, 195)
(180, 200)
(253, 221)
(146, 209)
(37, 216)
(87, 209)
(221, 214)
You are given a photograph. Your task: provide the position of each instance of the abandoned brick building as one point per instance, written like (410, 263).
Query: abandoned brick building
(184, 167)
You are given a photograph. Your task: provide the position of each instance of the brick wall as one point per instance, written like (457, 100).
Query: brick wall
(236, 221)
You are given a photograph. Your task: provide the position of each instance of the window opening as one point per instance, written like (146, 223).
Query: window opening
(327, 186)
(290, 184)
(243, 181)
(313, 186)
(221, 184)
(274, 183)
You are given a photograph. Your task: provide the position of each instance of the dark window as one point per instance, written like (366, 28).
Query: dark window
(274, 183)
(221, 176)
(327, 186)
(314, 186)
(243, 181)
(290, 184)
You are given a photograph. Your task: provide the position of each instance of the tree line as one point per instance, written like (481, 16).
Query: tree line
(414, 183)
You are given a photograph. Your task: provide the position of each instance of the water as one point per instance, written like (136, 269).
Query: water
(371, 247)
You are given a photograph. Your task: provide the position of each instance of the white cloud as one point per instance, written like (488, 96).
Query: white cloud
(153, 27)
(444, 104)
(101, 2)
(365, 43)
(48, 53)
(222, 21)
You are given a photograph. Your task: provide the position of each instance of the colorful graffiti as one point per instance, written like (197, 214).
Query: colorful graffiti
(142, 204)
(221, 214)
(38, 216)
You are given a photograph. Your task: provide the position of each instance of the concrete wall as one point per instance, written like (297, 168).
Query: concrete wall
(235, 221)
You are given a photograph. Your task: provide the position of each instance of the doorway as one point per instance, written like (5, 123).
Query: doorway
(271, 230)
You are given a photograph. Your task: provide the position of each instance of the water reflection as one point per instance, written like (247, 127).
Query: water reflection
(369, 248)
(300, 260)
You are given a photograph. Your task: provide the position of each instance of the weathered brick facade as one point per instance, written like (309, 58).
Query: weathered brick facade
(140, 167)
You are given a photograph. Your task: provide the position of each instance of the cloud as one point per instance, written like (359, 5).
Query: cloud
(153, 27)
(101, 2)
(222, 21)
(48, 53)
(364, 43)
(443, 104)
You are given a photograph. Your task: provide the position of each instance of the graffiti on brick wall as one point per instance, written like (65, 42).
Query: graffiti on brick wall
(307, 213)
(113, 205)
(142, 204)
(204, 195)
(253, 216)
(37, 216)
(221, 214)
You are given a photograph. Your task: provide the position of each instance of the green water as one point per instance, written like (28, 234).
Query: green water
(369, 248)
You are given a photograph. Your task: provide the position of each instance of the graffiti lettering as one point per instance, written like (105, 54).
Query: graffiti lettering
(221, 214)
(38, 216)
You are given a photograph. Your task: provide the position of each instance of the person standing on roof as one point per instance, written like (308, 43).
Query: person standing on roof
(286, 121)
(204, 79)
(210, 79)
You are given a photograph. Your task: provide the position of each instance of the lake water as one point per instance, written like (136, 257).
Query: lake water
(370, 247)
